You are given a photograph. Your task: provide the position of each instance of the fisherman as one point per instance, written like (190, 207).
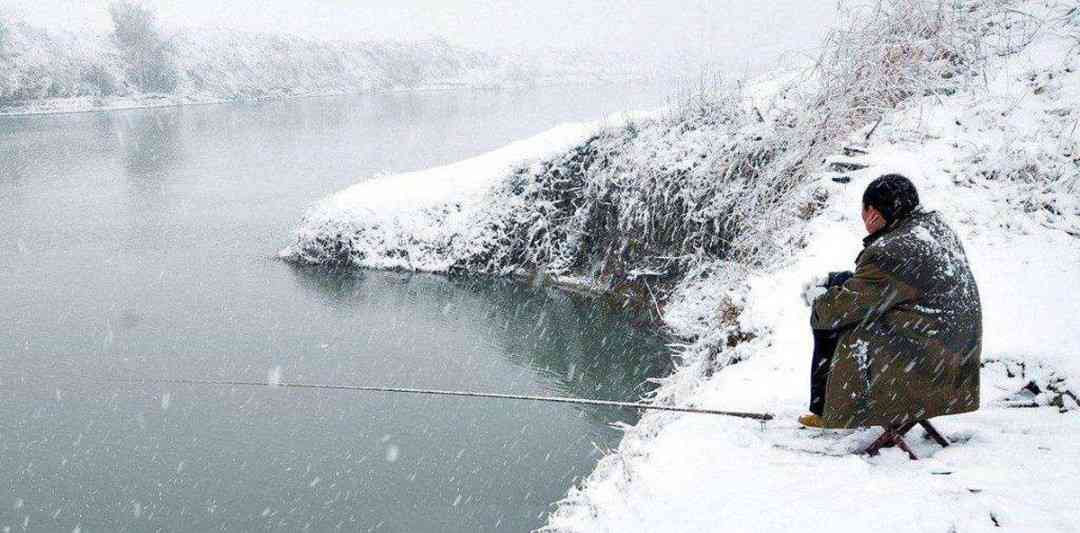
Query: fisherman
(900, 339)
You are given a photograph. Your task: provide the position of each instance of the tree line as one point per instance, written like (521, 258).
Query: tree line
(147, 60)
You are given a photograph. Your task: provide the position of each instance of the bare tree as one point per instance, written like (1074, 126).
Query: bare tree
(3, 36)
(149, 55)
(6, 83)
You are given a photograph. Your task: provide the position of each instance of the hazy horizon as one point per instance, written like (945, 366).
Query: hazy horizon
(723, 33)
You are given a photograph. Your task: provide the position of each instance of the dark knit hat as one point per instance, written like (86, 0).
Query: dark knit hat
(893, 195)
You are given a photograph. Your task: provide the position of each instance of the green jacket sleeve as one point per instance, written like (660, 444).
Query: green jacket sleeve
(872, 291)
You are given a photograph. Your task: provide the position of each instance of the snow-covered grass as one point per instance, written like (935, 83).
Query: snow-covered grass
(415, 221)
(730, 200)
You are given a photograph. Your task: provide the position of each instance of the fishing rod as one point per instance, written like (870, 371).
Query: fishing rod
(762, 417)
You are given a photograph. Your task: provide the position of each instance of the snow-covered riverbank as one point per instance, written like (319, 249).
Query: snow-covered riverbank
(83, 104)
(1008, 466)
(411, 221)
(725, 205)
(1002, 164)
(46, 71)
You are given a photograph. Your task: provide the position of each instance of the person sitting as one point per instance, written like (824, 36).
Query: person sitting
(899, 340)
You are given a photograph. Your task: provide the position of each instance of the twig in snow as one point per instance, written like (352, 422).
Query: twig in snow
(872, 130)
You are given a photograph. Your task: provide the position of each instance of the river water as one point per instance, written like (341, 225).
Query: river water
(141, 244)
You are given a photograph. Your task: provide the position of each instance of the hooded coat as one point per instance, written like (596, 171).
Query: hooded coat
(911, 323)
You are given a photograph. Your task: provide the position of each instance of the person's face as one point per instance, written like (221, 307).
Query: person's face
(872, 219)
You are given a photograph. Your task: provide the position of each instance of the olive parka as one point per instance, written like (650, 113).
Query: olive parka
(911, 329)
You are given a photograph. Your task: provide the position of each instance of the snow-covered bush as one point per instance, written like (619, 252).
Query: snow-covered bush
(268, 65)
(213, 65)
(149, 56)
(101, 81)
(706, 180)
(38, 64)
(890, 50)
(713, 178)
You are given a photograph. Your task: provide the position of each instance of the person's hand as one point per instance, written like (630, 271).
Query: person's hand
(873, 220)
(813, 288)
(837, 279)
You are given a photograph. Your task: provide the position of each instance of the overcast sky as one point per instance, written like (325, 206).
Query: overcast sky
(726, 31)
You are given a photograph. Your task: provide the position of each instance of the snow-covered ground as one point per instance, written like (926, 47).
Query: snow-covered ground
(999, 159)
(1013, 467)
(1010, 467)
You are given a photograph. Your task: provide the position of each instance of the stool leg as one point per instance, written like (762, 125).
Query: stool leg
(902, 444)
(893, 436)
(933, 432)
(883, 441)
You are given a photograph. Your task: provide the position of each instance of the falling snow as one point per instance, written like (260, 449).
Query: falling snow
(273, 376)
(393, 453)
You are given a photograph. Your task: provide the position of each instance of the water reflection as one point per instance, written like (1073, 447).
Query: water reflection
(152, 144)
(581, 349)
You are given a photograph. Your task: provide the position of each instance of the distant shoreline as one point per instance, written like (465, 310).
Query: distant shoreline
(92, 104)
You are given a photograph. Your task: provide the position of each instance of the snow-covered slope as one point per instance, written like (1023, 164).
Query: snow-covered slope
(1009, 466)
(1002, 164)
(724, 202)
(412, 221)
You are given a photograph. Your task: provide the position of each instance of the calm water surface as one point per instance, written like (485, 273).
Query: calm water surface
(140, 244)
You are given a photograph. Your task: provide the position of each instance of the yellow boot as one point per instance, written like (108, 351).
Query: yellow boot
(812, 421)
